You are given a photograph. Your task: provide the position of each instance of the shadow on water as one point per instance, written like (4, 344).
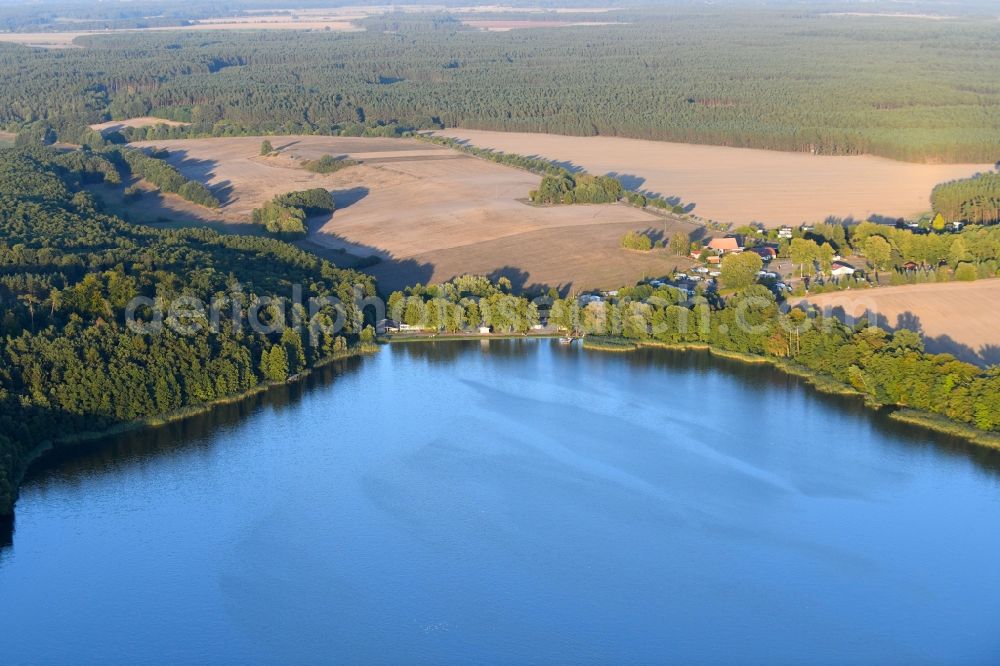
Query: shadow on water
(140, 446)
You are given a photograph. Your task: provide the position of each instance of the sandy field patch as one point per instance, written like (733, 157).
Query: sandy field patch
(144, 121)
(48, 40)
(742, 185)
(63, 40)
(960, 318)
(927, 17)
(286, 24)
(498, 25)
(429, 212)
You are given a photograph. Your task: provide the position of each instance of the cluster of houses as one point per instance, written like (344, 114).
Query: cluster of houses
(733, 244)
(719, 247)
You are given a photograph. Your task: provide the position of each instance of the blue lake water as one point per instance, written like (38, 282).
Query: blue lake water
(513, 501)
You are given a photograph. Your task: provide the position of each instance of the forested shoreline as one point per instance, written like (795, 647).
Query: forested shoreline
(69, 274)
(887, 369)
(787, 79)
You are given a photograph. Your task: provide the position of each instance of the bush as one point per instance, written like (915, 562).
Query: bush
(966, 272)
(634, 240)
(328, 164)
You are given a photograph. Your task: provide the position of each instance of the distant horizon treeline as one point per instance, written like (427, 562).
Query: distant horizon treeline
(790, 80)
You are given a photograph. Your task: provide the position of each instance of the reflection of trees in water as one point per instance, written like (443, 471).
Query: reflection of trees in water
(447, 351)
(755, 377)
(193, 432)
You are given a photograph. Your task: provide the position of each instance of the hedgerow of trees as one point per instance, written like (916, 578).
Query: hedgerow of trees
(168, 179)
(328, 164)
(579, 188)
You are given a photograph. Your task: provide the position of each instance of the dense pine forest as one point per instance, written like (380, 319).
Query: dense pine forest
(973, 200)
(786, 79)
(68, 272)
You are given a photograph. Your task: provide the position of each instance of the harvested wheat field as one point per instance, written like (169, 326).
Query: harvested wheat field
(742, 185)
(960, 318)
(64, 40)
(428, 212)
(47, 40)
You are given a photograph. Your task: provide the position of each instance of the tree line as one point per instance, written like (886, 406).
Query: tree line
(973, 200)
(158, 172)
(465, 303)
(577, 188)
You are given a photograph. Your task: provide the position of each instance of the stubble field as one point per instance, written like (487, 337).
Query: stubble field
(429, 213)
(742, 185)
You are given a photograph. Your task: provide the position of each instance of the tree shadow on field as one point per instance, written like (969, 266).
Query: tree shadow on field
(394, 274)
(223, 191)
(671, 199)
(346, 198)
(629, 181)
(697, 235)
(985, 356)
(197, 169)
(889, 220)
(519, 282)
(655, 235)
